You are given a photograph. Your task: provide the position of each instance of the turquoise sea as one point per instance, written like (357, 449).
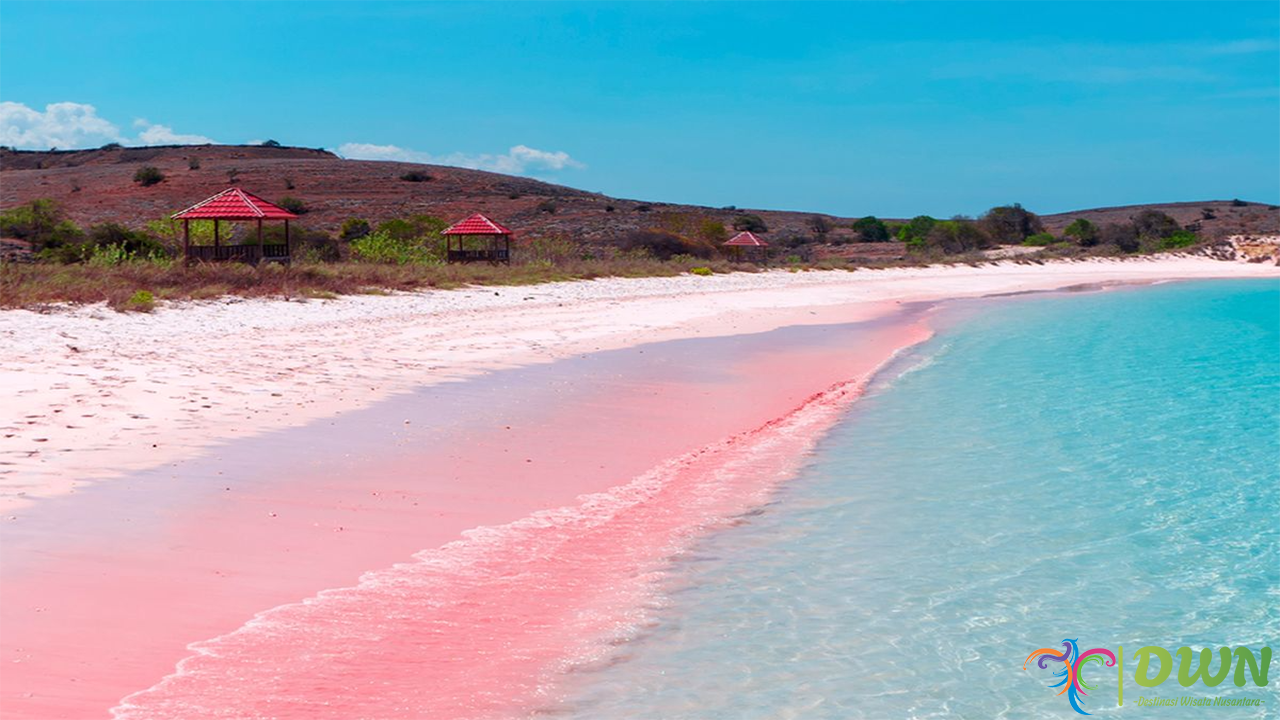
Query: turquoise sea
(1096, 466)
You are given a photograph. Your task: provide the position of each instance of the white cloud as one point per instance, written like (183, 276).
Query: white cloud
(519, 160)
(62, 125)
(69, 125)
(164, 135)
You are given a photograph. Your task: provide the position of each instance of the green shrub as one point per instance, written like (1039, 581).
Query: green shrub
(547, 206)
(1040, 239)
(1084, 232)
(382, 247)
(712, 231)
(141, 301)
(750, 223)
(1155, 224)
(916, 229)
(415, 226)
(871, 229)
(353, 228)
(701, 271)
(665, 245)
(293, 205)
(108, 255)
(1180, 239)
(1011, 224)
(193, 163)
(148, 175)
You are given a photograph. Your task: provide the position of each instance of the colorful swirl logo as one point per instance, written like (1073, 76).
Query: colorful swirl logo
(1072, 681)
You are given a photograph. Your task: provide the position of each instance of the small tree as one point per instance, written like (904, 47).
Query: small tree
(270, 143)
(954, 237)
(916, 229)
(712, 231)
(1084, 232)
(1011, 224)
(871, 229)
(750, 223)
(354, 228)
(148, 175)
(1123, 235)
(1155, 224)
(232, 174)
(820, 225)
(416, 176)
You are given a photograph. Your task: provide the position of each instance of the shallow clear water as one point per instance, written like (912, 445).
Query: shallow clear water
(1103, 467)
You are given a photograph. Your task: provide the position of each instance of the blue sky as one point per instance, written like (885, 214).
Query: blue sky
(892, 109)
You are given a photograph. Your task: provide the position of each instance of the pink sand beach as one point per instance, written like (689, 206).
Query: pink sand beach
(428, 505)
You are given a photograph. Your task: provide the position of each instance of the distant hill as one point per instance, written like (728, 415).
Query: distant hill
(1212, 218)
(97, 186)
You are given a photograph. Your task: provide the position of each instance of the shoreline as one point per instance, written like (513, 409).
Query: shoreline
(116, 583)
(93, 394)
(196, 550)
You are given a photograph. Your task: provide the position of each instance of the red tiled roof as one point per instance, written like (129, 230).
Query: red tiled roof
(234, 204)
(746, 239)
(476, 225)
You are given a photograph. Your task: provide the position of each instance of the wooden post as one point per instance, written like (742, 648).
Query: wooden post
(215, 237)
(261, 251)
(288, 249)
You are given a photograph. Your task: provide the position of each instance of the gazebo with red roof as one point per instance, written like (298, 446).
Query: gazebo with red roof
(747, 240)
(235, 204)
(482, 228)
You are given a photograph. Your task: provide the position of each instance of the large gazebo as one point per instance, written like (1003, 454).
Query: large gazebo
(234, 204)
(746, 241)
(496, 241)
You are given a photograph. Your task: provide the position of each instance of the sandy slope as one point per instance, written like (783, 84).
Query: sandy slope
(88, 393)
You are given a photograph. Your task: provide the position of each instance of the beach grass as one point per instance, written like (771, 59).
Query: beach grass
(32, 285)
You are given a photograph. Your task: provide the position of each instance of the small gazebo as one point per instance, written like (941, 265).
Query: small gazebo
(495, 241)
(235, 204)
(746, 241)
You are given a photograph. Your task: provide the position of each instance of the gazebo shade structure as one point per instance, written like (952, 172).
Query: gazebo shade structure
(235, 204)
(478, 226)
(747, 242)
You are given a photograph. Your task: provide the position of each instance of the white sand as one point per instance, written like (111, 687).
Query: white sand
(88, 393)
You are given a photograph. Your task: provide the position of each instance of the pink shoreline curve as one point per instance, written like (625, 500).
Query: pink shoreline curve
(479, 624)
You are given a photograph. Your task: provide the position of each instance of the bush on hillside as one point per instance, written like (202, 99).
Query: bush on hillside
(664, 245)
(1122, 235)
(382, 247)
(293, 205)
(1011, 224)
(1040, 239)
(1155, 224)
(871, 229)
(916, 229)
(750, 223)
(416, 176)
(1083, 232)
(353, 228)
(148, 175)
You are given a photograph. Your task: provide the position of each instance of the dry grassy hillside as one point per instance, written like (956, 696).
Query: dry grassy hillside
(97, 186)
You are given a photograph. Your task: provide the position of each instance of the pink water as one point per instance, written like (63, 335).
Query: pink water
(475, 626)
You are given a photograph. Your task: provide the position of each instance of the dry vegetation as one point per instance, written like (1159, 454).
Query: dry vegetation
(32, 285)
